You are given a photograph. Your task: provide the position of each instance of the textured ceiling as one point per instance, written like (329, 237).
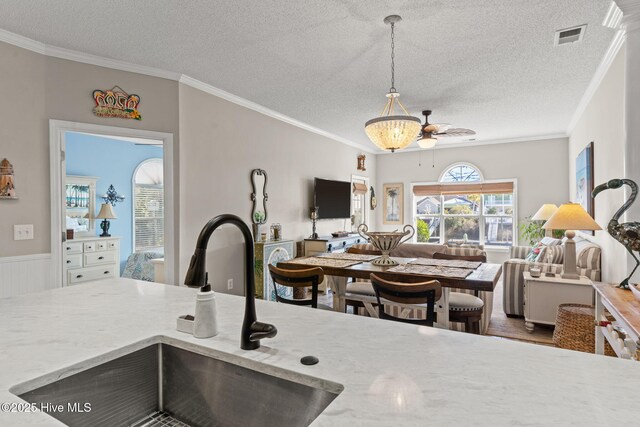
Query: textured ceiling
(488, 65)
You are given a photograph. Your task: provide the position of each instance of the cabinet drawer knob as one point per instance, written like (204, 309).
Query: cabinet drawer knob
(68, 248)
(79, 276)
(68, 261)
(100, 257)
(106, 272)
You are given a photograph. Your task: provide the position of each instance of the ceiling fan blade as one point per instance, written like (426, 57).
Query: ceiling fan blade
(456, 132)
(442, 127)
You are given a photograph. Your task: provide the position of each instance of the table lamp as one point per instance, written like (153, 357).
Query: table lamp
(106, 213)
(570, 217)
(543, 214)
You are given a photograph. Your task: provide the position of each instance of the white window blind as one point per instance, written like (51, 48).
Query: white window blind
(148, 206)
(149, 213)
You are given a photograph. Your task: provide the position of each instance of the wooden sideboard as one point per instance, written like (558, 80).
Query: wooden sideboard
(623, 333)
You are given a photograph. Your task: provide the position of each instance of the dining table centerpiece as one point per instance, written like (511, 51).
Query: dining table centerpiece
(386, 241)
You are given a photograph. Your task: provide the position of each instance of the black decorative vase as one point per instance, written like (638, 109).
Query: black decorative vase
(105, 228)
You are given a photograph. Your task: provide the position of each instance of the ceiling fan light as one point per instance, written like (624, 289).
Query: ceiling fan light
(427, 142)
(392, 132)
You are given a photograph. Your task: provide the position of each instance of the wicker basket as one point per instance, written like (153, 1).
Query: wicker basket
(575, 329)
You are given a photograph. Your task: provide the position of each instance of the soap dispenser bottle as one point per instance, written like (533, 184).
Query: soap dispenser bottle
(205, 322)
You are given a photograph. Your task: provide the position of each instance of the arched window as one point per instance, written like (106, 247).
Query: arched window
(148, 206)
(461, 172)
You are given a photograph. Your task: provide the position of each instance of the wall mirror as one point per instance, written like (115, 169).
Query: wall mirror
(80, 204)
(259, 196)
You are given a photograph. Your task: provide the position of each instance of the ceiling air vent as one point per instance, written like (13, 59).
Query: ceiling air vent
(570, 35)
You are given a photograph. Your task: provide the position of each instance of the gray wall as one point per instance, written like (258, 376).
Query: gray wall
(42, 88)
(539, 167)
(221, 143)
(603, 123)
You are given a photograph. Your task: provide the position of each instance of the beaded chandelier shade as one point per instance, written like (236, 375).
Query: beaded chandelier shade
(392, 131)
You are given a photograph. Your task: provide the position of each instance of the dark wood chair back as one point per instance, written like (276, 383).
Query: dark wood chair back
(303, 278)
(442, 255)
(363, 251)
(421, 293)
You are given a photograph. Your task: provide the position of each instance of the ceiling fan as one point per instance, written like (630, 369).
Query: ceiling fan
(431, 132)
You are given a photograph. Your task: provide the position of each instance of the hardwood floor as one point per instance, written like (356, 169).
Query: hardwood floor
(513, 328)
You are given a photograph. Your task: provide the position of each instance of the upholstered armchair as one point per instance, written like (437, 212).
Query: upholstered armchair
(588, 256)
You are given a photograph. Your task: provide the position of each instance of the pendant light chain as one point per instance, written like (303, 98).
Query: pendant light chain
(393, 70)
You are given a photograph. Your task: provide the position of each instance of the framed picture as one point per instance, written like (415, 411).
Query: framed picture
(393, 204)
(584, 180)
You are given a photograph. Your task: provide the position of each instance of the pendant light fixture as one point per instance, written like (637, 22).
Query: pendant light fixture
(393, 132)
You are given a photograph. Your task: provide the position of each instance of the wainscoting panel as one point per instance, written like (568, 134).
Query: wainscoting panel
(26, 274)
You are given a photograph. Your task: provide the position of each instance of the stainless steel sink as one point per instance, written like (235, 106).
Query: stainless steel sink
(163, 383)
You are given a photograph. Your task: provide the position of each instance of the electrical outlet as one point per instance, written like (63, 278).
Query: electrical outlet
(23, 232)
(229, 284)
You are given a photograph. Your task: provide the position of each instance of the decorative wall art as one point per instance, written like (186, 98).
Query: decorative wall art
(116, 103)
(7, 187)
(374, 199)
(393, 203)
(361, 159)
(584, 180)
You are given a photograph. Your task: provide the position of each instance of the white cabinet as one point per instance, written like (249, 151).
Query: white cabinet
(543, 295)
(91, 258)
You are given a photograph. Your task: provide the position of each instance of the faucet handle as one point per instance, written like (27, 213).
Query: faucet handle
(261, 330)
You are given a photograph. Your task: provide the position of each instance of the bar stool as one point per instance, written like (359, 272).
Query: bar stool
(465, 308)
(422, 294)
(310, 277)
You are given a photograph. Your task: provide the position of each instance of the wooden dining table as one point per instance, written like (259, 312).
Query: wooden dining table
(483, 278)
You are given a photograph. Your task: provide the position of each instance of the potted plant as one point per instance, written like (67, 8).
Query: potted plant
(258, 219)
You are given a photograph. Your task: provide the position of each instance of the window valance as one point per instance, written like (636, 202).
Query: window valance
(359, 188)
(465, 188)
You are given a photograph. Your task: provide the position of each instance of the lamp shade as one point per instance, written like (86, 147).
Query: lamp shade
(426, 142)
(571, 216)
(545, 212)
(106, 212)
(392, 132)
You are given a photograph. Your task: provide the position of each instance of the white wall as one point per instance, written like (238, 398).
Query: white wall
(538, 166)
(220, 143)
(603, 123)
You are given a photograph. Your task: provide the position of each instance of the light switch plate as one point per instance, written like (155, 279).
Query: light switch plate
(23, 232)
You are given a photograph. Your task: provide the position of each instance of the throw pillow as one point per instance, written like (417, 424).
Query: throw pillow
(550, 241)
(554, 254)
(535, 251)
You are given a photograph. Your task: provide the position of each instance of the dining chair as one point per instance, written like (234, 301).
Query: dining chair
(422, 294)
(358, 290)
(296, 279)
(465, 308)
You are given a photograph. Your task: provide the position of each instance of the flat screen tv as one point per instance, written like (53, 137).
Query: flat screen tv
(333, 199)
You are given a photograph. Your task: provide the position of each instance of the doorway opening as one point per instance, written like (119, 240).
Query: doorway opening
(112, 203)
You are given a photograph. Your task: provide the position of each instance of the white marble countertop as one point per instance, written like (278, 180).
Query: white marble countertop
(393, 374)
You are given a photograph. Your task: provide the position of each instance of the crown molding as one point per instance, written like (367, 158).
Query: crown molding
(631, 14)
(87, 58)
(594, 84)
(613, 17)
(212, 90)
(451, 145)
(21, 41)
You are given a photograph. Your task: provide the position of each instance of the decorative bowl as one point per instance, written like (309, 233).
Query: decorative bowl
(386, 241)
